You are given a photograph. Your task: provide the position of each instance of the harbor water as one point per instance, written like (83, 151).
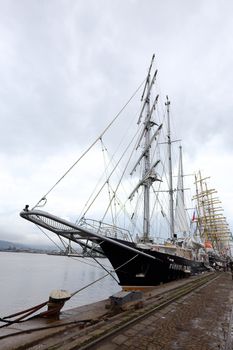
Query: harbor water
(28, 279)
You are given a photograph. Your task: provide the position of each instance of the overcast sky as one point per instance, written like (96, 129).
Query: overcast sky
(67, 67)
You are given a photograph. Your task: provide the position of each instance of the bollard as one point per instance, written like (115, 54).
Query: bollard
(123, 301)
(56, 301)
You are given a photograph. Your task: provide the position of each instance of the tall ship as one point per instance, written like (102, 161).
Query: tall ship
(139, 200)
(211, 224)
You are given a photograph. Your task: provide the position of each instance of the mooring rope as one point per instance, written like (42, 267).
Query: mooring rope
(30, 311)
(24, 313)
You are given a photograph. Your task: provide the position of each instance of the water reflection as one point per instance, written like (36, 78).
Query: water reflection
(28, 279)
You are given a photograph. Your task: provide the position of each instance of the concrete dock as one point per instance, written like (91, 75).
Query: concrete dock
(200, 320)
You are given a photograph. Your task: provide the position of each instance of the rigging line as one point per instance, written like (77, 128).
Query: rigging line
(49, 238)
(106, 181)
(156, 199)
(87, 263)
(87, 205)
(159, 203)
(122, 175)
(115, 165)
(123, 209)
(99, 279)
(63, 243)
(61, 250)
(115, 197)
(135, 220)
(103, 267)
(90, 147)
(135, 216)
(104, 148)
(119, 182)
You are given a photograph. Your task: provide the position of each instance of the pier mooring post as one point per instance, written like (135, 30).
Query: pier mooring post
(57, 299)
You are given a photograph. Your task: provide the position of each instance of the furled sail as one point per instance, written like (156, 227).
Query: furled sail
(181, 220)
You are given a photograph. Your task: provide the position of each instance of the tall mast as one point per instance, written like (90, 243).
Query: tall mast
(148, 176)
(171, 203)
(147, 165)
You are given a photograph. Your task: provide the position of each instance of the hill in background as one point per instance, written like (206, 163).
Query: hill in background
(17, 247)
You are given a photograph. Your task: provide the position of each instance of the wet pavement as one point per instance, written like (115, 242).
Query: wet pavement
(200, 321)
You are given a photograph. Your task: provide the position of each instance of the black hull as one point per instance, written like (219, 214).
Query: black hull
(140, 271)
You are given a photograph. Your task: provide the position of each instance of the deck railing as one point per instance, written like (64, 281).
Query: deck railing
(107, 230)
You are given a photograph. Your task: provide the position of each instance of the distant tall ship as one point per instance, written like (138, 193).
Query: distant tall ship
(139, 260)
(211, 224)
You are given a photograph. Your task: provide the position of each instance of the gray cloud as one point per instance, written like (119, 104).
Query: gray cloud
(67, 67)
